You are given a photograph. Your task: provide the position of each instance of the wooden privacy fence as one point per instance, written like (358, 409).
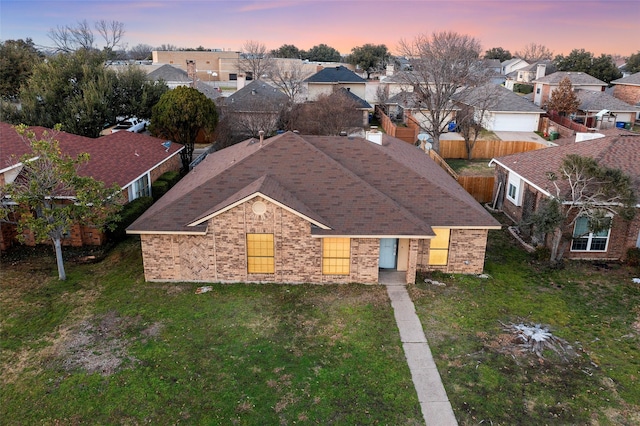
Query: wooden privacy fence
(408, 134)
(480, 187)
(486, 149)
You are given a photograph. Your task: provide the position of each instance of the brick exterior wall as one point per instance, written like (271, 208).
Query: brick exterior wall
(466, 252)
(622, 237)
(221, 62)
(220, 255)
(627, 93)
(173, 164)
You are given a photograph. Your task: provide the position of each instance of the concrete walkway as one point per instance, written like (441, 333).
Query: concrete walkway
(435, 405)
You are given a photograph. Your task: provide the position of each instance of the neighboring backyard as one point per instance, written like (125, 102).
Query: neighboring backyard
(105, 347)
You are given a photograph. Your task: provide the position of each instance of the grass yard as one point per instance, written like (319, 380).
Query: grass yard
(491, 379)
(104, 347)
(471, 167)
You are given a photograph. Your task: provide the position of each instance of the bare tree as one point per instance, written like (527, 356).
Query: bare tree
(140, 52)
(328, 115)
(534, 52)
(167, 47)
(442, 63)
(111, 32)
(255, 60)
(69, 38)
(474, 104)
(288, 76)
(584, 191)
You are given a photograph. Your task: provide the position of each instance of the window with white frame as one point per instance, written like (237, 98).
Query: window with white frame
(514, 191)
(140, 188)
(584, 240)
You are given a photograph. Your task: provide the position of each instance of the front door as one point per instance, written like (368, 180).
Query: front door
(388, 252)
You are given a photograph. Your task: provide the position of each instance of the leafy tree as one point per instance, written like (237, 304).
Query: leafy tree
(287, 51)
(40, 194)
(498, 53)
(323, 53)
(633, 63)
(442, 64)
(369, 57)
(585, 190)
(255, 59)
(180, 115)
(134, 94)
(563, 100)
(17, 60)
(71, 89)
(534, 52)
(602, 67)
(79, 92)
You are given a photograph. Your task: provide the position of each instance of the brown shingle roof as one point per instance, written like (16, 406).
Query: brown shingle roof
(351, 185)
(619, 150)
(120, 157)
(577, 78)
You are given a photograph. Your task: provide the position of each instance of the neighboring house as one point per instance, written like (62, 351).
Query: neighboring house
(405, 104)
(528, 74)
(171, 75)
(257, 106)
(176, 77)
(499, 109)
(362, 105)
(313, 209)
(600, 110)
(328, 80)
(398, 82)
(493, 69)
(133, 161)
(212, 65)
(543, 87)
(628, 89)
(522, 183)
(513, 64)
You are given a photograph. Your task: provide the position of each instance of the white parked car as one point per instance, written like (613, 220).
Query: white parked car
(132, 124)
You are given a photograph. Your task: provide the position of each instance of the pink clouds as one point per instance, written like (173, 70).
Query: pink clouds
(598, 26)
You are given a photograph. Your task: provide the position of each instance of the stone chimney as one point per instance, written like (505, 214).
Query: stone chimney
(541, 71)
(192, 72)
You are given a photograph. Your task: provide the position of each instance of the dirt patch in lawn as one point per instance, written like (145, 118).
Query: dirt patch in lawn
(100, 344)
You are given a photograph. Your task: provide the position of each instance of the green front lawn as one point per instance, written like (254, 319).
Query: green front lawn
(105, 347)
(491, 379)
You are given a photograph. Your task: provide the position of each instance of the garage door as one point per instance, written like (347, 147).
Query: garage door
(516, 122)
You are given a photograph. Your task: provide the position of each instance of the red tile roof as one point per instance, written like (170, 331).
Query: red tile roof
(353, 186)
(120, 157)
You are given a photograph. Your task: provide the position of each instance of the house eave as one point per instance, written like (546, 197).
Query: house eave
(543, 191)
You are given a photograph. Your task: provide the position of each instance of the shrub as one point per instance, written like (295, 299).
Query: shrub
(159, 188)
(542, 253)
(633, 256)
(523, 88)
(170, 177)
(164, 183)
(128, 214)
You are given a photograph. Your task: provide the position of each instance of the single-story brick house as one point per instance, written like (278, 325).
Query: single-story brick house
(522, 182)
(133, 161)
(316, 209)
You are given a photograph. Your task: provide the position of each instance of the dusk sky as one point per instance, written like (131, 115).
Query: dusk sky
(598, 26)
